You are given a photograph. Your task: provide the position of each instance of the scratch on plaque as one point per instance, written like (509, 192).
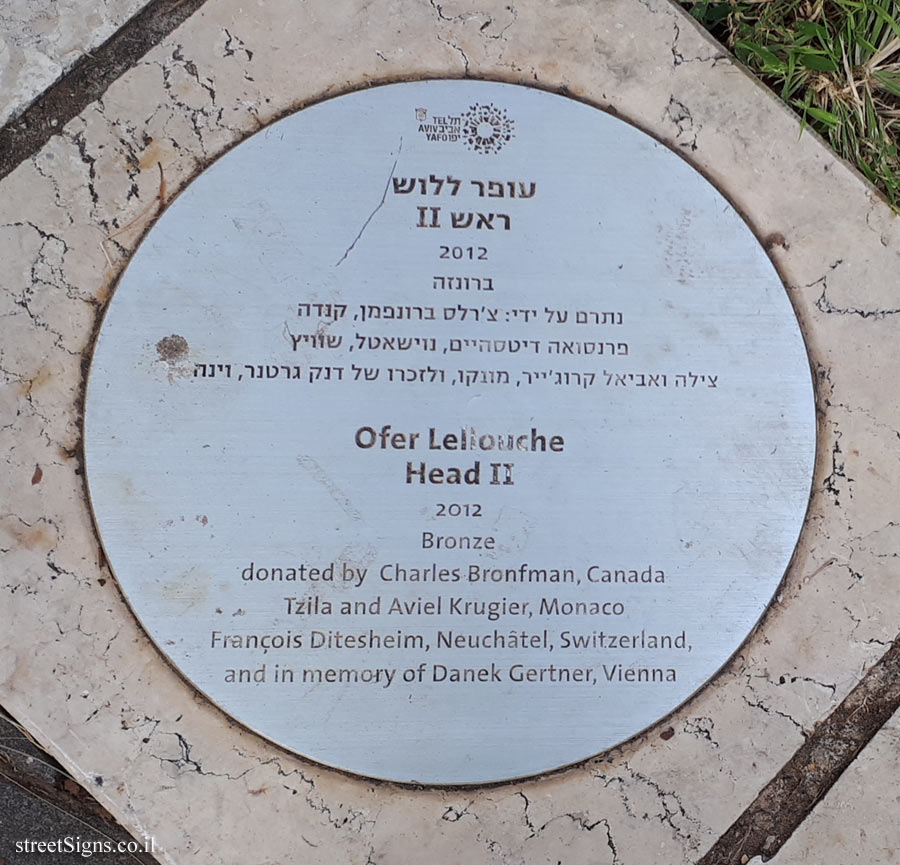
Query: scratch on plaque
(319, 474)
(188, 588)
(377, 208)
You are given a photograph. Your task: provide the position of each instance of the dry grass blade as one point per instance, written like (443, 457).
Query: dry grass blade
(851, 83)
(883, 53)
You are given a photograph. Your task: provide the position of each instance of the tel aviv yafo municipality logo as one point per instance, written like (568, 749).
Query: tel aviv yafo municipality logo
(484, 128)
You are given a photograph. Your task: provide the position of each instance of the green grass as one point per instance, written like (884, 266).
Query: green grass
(837, 62)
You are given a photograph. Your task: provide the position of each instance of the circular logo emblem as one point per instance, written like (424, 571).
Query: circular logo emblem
(487, 128)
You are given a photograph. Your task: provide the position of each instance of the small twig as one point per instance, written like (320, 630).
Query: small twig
(161, 196)
(105, 253)
(31, 757)
(14, 723)
(158, 202)
(133, 222)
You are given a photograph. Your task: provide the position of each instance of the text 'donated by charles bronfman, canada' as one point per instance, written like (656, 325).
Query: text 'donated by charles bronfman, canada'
(449, 432)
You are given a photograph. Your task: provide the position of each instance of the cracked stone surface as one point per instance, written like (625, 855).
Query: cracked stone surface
(41, 39)
(78, 671)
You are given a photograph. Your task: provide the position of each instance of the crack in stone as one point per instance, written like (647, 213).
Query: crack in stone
(501, 34)
(579, 819)
(37, 535)
(233, 44)
(355, 820)
(488, 19)
(24, 302)
(80, 143)
(145, 740)
(680, 115)
(521, 70)
(823, 304)
(855, 576)
(668, 814)
(109, 642)
(677, 56)
(759, 704)
(212, 115)
(454, 815)
(440, 12)
(823, 381)
(525, 815)
(582, 822)
(462, 53)
(191, 68)
(61, 206)
(873, 419)
(701, 728)
(838, 472)
(790, 680)
(856, 623)
(186, 763)
(876, 205)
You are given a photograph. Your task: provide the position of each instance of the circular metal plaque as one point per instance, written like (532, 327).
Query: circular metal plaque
(449, 432)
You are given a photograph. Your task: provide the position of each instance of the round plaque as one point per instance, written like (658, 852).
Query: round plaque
(449, 432)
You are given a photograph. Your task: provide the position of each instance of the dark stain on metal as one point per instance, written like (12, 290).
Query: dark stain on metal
(787, 800)
(90, 77)
(172, 348)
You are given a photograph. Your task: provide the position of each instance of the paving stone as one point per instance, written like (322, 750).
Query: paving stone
(855, 821)
(40, 40)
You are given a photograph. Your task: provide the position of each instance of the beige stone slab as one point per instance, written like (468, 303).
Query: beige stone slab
(856, 821)
(41, 39)
(79, 672)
